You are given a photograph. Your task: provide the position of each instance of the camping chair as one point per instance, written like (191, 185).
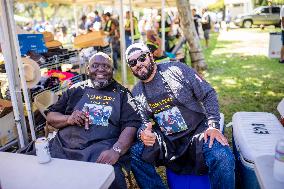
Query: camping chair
(42, 101)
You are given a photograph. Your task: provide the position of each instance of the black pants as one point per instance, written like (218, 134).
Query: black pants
(119, 180)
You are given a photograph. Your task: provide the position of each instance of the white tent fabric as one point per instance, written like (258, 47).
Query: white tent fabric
(9, 18)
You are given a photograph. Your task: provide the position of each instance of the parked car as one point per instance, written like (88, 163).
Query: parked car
(264, 15)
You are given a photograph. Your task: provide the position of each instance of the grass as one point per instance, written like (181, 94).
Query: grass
(243, 83)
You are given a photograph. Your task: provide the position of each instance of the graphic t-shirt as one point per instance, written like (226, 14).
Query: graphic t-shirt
(110, 111)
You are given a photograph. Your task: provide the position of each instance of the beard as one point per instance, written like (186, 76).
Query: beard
(147, 74)
(100, 84)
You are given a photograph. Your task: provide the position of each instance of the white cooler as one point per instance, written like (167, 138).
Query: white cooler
(254, 134)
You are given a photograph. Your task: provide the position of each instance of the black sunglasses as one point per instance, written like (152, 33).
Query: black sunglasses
(141, 58)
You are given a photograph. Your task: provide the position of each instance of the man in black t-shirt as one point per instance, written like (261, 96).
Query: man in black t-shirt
(105, 132)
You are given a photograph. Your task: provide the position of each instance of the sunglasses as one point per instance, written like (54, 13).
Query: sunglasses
(141, 58)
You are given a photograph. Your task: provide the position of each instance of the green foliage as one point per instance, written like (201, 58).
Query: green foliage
(266, 2)
(218, 6)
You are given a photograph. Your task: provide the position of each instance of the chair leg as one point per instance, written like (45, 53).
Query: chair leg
(129, 180)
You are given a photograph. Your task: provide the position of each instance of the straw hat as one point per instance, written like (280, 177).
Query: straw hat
(31, 72)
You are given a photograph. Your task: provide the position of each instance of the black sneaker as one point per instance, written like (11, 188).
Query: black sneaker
(281, 61)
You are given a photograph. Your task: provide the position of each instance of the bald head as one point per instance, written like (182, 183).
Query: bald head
(101, 57)
(100, 70)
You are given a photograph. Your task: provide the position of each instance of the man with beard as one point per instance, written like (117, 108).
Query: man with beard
(82, 136)
(197, 145)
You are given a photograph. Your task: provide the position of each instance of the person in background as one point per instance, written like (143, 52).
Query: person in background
(90, 22)
(185, 110)
(196, 19)
(82, 26)
(206, 25)
(111, 29)
(104, 133)
(154, 44)
(282, 35)
(168, 29)
(136, 33)
(97, 16)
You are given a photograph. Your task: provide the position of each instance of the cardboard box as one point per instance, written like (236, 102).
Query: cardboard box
(5, 107)
(92, 39)
(8, 130)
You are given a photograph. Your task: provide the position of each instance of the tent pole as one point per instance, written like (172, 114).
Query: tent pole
(75, 18)
(131, 21)
(20, 66)
(12, 75)
(122, 45)
(163, 24)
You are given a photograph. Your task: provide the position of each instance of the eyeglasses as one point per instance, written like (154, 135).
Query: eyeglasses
(141, 58)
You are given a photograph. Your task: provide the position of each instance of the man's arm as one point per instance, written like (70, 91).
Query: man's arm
(125, 139)
(56, 113)
(59, 120)
(129, 121)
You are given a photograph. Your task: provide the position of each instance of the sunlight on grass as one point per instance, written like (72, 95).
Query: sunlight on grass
(271, 93)
(229, 82)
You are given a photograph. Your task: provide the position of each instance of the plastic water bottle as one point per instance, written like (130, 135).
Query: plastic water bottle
(278, 170)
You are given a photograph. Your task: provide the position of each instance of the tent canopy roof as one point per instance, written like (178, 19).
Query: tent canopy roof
(135, 3)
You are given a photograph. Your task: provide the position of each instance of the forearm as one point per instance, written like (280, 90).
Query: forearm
(126, 139)
(57, 120)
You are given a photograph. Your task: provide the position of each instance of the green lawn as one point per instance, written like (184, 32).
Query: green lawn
(244, 83)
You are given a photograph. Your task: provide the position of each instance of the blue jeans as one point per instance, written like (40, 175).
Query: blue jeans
(219, 160)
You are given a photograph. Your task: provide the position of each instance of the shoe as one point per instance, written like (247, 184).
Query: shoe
(281, 61)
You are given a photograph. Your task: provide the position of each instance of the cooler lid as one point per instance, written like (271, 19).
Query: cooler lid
(256, 133)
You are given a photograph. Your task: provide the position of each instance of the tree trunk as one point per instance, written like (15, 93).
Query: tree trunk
(189, 31)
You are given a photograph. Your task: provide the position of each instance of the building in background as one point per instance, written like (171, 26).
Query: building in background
(236, 7)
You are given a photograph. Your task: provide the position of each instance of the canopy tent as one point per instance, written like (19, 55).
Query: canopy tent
(135, 3)
(12, 54)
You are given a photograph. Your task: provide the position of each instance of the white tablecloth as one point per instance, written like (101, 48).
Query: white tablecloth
(18, 171)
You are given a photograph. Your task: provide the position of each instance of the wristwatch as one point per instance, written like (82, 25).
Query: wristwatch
(117, 149)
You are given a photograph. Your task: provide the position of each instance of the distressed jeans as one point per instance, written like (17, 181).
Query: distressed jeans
(219, 159)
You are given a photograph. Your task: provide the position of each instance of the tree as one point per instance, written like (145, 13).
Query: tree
(217, 6)
(188, 28)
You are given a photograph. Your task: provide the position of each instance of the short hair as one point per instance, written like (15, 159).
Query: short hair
(108, 14)
(103, 55)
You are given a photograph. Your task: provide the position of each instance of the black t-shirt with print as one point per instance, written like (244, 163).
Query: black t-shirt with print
(111, 110)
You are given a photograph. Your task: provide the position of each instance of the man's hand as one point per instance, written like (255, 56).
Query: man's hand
(108, 157)
(214, 134)
(147, 137)
(77, 118)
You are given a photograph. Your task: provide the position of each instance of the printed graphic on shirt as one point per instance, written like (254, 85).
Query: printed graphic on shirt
(100, 99)
(171, 121)
(161, 105)
(99, 114)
